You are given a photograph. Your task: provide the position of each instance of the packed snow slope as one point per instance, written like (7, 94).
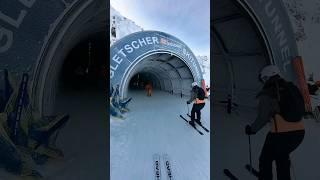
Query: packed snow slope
(153, 126)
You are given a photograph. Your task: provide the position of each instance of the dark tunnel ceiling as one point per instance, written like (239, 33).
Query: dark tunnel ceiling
(239, 52)
(229, 21)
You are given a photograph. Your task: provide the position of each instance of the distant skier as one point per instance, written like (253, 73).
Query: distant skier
(149, 88)
(197, 95)
(281, 103)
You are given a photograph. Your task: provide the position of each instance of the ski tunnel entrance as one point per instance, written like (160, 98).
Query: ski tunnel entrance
(166, 62)
(67, 50)
(247, 35)
(70, 78)
(156, 58)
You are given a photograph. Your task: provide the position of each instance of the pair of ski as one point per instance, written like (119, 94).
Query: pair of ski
(157, 166)
(203, 127)
(253, 171)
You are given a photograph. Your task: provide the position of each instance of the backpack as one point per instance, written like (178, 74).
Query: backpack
(201, 94)
(292, 107)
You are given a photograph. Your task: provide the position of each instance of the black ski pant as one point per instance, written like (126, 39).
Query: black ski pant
(196, 109)
(277, 147)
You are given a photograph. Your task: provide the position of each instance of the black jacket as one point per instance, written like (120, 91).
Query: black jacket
(194, 93)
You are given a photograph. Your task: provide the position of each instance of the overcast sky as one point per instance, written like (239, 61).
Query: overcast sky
(188, 20)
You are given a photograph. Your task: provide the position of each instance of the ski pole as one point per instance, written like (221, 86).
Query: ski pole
(188, 108)
(250, 159)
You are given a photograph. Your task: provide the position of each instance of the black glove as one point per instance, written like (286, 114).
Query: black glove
(188, 102)
(248, 130)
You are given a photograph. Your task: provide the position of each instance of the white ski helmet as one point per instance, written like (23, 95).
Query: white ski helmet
(194, 84)
(268, 72)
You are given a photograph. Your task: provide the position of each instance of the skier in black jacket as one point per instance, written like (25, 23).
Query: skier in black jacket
(197, 95)
(286, 134)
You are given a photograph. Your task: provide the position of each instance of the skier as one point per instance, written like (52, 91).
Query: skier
(149, 88)
(281, 103)
(197, 95)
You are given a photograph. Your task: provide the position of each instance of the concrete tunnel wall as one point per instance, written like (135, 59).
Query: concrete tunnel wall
(36, 36)
(247, 35)
(166, 57)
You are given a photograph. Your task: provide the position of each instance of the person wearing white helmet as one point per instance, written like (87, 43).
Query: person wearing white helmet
(194, 84)
(197, 96)
(282, 105)
(269, 72)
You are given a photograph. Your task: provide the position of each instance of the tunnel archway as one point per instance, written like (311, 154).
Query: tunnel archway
(83, 67)
(38, 35)
(170, 62)
(247, 35)
(81, 21)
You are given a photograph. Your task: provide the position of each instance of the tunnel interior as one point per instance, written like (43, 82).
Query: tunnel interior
(84, 67)
(139, 81)
(69, 79)
(166, 72)
(85, 22)
(239, 52)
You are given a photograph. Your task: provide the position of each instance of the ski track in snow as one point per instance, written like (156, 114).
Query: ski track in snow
(154, 126)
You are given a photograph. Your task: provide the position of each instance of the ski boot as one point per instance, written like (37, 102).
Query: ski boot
(198, 121)
(192, 123)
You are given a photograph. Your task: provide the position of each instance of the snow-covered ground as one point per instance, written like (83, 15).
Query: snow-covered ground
(84, 139)
(153, 126)
(231, 150)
